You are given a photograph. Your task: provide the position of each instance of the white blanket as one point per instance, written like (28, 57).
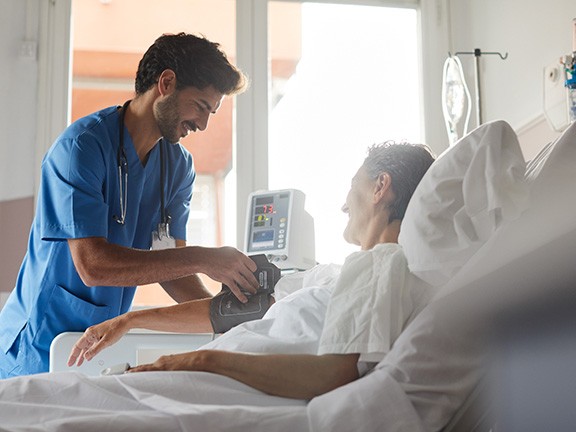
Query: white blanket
(154, 401)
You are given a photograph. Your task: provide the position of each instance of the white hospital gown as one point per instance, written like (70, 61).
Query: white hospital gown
(374, 299)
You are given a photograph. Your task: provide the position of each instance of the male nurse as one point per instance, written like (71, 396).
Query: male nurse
(113, 204)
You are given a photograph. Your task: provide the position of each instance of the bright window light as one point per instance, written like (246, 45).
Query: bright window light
(355, 84)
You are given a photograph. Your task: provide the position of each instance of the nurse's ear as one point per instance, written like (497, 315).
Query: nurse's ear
(167, 82)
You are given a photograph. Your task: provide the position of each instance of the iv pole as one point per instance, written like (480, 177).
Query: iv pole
(477, 53)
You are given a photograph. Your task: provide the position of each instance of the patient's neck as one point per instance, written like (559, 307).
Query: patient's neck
(388, 234)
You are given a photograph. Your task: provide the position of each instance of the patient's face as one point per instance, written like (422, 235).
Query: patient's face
(359, 207)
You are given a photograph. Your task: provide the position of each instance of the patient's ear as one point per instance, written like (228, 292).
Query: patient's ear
(383, 188)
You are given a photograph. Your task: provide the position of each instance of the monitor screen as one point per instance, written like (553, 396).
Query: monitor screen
(268, 219)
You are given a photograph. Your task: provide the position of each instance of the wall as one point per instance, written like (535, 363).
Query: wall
(18, 86)
(535, 34)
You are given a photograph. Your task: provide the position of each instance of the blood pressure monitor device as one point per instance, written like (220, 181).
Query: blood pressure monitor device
(279, 227)
(226, 311)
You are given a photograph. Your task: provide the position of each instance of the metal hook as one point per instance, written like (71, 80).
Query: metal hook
(477, 52)
(503, 57)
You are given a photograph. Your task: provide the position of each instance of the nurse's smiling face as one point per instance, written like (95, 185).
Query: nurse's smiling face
(184, 111)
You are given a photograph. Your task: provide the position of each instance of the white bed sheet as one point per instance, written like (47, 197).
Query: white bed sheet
(157, 401)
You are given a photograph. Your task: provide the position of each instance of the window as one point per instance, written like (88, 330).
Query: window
(343, 77)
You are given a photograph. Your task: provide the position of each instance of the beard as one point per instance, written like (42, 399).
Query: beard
(168, 118)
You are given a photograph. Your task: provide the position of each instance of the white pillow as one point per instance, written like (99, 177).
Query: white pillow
(551, 215)
(559, 153)
(462, 199)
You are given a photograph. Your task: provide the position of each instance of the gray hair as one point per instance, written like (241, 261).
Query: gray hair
(405, 163)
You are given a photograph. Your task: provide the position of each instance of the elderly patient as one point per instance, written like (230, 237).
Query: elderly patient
(371, 302)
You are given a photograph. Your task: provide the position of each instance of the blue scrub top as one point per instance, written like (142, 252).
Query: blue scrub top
(78, 198)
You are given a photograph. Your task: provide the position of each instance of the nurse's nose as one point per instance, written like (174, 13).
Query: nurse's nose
(345, 208)
(203, 121)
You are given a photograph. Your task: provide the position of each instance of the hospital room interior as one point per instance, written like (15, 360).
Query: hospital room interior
(488, 85)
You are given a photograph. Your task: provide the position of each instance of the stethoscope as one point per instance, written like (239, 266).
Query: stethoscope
(123, 175)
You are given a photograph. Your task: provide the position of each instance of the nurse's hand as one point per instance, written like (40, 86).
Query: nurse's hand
(231, 267)
(96, 338)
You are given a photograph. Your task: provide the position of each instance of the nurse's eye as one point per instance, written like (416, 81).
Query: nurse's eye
(200, 107)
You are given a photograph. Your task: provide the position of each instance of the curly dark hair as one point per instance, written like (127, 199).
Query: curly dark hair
(405, 163)
(195, 60)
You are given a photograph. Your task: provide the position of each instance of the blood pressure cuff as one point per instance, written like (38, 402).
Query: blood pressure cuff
(226, 311)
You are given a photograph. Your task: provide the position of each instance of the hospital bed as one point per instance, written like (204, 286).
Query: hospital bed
(434, 366)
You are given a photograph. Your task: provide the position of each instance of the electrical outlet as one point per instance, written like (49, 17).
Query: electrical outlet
(28, 49)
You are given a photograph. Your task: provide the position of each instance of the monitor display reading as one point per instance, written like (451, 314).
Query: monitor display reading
(269, 222)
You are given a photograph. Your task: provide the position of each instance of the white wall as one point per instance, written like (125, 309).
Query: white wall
(18, 85)
(534, 33)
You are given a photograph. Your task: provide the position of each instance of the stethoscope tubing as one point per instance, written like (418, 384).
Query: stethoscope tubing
(122, 161)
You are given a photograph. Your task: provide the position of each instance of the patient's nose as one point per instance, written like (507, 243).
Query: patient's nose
(345, 208)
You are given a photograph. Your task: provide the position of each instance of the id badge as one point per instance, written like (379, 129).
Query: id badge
(161, 239)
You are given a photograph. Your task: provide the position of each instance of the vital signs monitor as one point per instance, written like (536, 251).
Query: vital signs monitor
(279, 227)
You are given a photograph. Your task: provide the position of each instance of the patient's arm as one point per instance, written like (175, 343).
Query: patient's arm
(188, 317)
(299, 376)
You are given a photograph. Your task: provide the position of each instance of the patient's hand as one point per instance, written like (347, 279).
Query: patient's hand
(96, 338)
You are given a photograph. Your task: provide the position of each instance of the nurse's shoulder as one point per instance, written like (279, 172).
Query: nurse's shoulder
(94, 131)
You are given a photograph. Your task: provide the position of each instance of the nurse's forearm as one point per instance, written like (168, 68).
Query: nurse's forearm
(186, 289)
(100, 263)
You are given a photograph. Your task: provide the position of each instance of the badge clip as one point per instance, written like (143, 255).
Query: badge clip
(161, 238)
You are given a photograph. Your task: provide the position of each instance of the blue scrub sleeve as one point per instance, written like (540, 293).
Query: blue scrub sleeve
(71, 193)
